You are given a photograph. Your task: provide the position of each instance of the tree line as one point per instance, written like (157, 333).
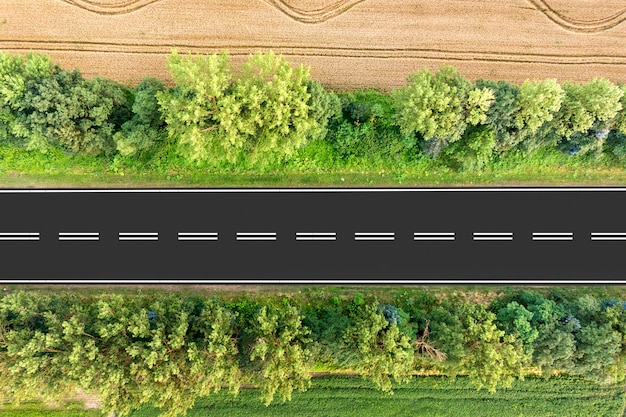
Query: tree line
(267, 111)
(168, 349)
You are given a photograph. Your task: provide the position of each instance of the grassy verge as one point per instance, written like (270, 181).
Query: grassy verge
(424, 396)
(33, 409)
(24, 169)
(312, 294)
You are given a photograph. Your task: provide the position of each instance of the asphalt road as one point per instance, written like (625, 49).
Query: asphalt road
(400, 235)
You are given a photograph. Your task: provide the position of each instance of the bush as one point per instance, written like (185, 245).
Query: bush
(473, 151)
(139, 133)
(501, 116)
(16, 72)
(367, 131)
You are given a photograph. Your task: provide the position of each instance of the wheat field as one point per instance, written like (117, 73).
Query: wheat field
(347, 43)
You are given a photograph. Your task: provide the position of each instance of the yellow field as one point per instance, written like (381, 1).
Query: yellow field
(347, 43)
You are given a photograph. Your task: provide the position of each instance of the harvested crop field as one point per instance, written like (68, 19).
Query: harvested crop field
(347, 43)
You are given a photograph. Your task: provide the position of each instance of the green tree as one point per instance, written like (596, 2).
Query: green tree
(515, 319)
(439, 107)
(475, 346)
(538, 102)
(265, 113)
(379, 351)
(596, 102)
(190, 109)
(620, 119)
(280, 352)
(35, 357)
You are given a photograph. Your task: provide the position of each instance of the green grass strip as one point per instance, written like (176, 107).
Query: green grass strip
(423, 396)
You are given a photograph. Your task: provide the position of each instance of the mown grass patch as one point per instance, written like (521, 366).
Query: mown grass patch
(424, 396)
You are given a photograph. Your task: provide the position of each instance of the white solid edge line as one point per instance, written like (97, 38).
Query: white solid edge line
(432, 238)
(78, 238)
(608, 238)
(315, 238)
(493, 238)
(300, 190)
(493, 233)
(553, 238)
(433, 234)
(311, 281)
(553, 234)
(197, 237)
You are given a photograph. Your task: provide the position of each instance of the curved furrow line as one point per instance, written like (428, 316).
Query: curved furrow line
(314, 14)
(327, 10)
(110, 7)
(576, 25)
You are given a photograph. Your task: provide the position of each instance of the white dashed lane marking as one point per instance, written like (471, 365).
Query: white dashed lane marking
(316, 236)
(138, 236)
(493, 235)
(256, 236)
(374, 236)
(433, 236)
(608, 236)
(19, 236)
(79, 236)
(197, 236)
(553, 236)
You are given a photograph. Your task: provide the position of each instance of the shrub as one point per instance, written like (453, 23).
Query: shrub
(16, 71)
(367, 131)
(67, 110)
(139, 133)
(473, 150)
(501, 116)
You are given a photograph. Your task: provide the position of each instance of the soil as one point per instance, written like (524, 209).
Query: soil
(347, 43)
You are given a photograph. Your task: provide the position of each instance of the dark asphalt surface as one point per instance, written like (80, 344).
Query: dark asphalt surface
(520, 221)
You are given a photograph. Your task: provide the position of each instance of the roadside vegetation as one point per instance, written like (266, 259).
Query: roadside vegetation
(268, 123)
(168, 349)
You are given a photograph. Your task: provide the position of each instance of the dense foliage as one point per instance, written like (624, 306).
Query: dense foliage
(167, 350)
(267, 115)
